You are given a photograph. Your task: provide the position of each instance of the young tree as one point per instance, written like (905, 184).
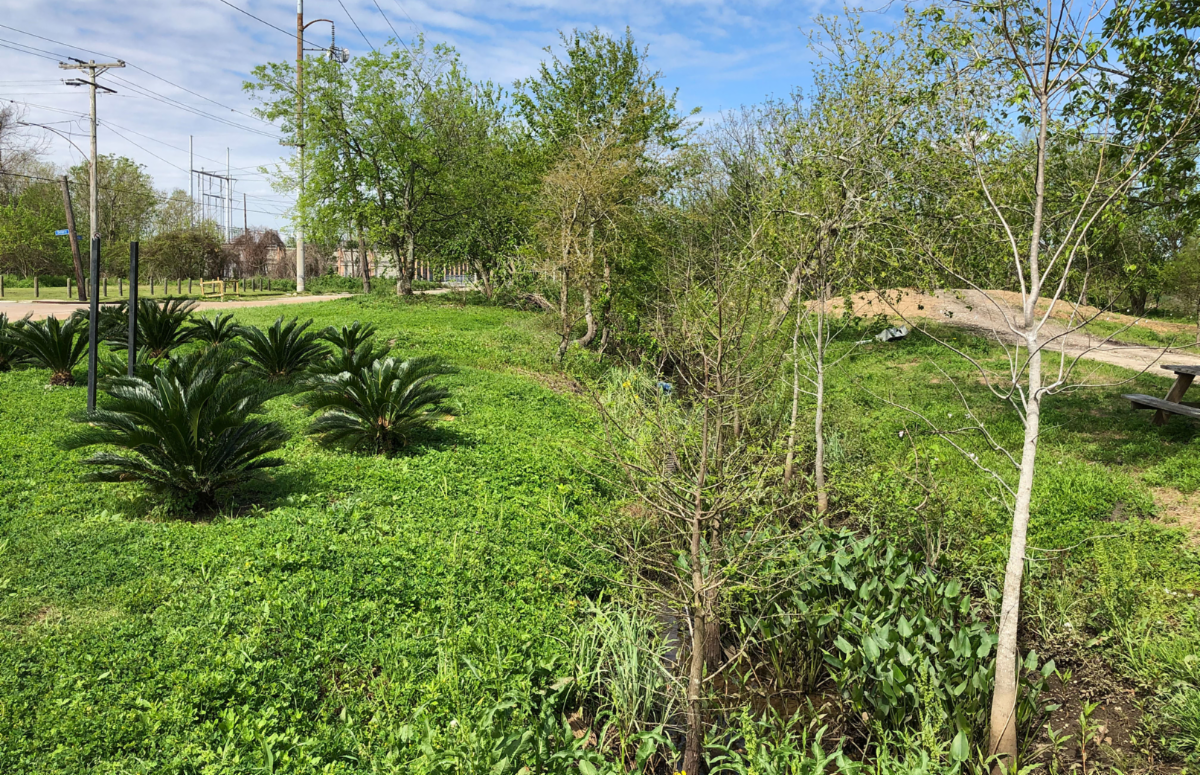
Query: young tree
(599, 103)
(1043, 67)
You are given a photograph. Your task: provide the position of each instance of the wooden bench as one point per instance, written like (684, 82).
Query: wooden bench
(1173, 403)
(1149, 402)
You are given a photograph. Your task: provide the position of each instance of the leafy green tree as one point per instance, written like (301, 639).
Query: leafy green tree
(186, 252)
(30, 212)
(608, 134)
(127, 203)
(383, 138)
(185, 432)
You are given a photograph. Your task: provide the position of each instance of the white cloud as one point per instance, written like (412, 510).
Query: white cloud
(719, 53)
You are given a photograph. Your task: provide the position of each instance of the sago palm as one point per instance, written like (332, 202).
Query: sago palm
(218, 330)
(53, 344)
(377, 407)
(163, 325)
(184, 432)
(10, 354)
(355, 348)
(283, 350)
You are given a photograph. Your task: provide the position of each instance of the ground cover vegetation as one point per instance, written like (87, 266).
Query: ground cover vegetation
(653, 497)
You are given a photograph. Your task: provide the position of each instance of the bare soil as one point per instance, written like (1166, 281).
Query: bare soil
(996, 315)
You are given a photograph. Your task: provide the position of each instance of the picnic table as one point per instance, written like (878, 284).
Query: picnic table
(1173, 403)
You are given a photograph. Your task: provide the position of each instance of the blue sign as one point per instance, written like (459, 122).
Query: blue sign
(62, 232)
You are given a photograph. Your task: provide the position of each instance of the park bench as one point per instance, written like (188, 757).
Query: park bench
(1173, 403)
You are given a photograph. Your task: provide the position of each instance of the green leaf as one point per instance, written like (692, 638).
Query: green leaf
(960, 749)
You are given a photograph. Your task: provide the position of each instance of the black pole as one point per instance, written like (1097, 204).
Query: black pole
(93, 322)
(133, 304)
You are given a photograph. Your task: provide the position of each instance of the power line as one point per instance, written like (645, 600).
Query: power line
(360, 32)
(291, 35)
(151, 94)
(136, 67)
(153, 195)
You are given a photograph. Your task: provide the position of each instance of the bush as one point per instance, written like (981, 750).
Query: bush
(185, 432)
(53, 345)
(284, 350)
(378, 407)
(218, 330)
(10, 353)
(162, 325)
(355, 351)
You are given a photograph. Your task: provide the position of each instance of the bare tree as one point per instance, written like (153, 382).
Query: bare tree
(1044, 65)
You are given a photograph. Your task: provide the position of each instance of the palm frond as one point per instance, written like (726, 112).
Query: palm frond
(52, 344)
(282, 351)
(184, 430)
(11, 354)
(377, 407)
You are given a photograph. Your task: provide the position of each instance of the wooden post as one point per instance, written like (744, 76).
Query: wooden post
(189, 286)
(74, 239)
(36, 290)
(1, 286)
(178, 285)
(106, 286)
(68, 287)
(120, 287)
(151, 285)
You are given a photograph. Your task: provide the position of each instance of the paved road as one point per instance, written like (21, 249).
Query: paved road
(61, 309)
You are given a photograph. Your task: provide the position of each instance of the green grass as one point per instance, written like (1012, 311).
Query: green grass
(160, 291)
(356, 598)
(359, 596)
(1106, 575)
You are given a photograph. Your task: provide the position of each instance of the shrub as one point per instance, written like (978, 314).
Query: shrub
(53, 344)
(185, 432)
(218, 330)
(355, 348)
(10, 353)
(378, 407)
(283, 350)
(162, 326)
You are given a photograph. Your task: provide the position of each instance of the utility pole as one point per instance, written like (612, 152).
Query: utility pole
(191, 182)
(83, 296)
(300, 139)
(94, 70)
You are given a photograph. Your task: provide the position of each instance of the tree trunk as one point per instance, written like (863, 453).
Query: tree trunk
(565, 321)
(789, 464)
(1137, 301)
(365, 261)
(590, 334)
(1004, 701)
(404, 282)
(693, 746)
(819, 416)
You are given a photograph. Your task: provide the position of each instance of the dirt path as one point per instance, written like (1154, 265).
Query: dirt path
(61, 309)
(997, 318)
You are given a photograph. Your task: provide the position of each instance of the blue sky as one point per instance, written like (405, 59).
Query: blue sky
(720, 55)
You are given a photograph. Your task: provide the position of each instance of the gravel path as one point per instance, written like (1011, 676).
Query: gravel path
(995, 315)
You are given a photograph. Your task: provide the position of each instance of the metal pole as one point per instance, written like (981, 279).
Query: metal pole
(300, 138)
(228, 199)
(93, 321)
(133, 304)
(191, 183)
